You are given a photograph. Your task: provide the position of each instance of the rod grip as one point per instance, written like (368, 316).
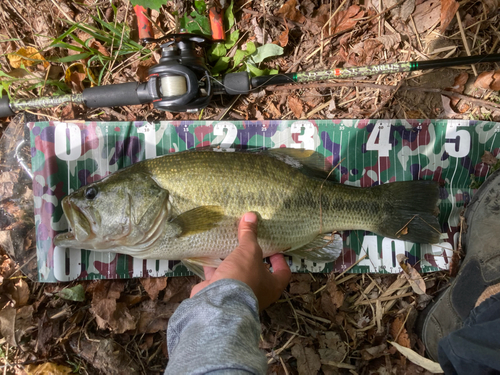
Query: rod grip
(112, 95)
(5, 110)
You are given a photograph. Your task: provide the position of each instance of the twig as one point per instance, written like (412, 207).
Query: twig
(464, 40)
(402, 326)
(352, 265)
(383, 103)
(322, 320)
(384, 299)
(220, 116)
(367, 21)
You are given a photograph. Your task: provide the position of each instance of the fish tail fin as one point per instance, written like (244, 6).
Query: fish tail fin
(412, 209)
(323, 249)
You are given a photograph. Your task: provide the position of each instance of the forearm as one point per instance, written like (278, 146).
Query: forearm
(216, 330)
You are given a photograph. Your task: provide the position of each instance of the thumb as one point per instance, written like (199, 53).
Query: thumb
(247, 229)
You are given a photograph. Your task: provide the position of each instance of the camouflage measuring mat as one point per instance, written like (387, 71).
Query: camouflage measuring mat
(66, 156)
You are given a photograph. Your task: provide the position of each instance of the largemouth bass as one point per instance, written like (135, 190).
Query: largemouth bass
(186, 206)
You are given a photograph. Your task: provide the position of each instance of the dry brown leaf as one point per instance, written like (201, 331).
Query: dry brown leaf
(426, 15)
(14, 323)
(390, 41)
(489, 158)
(273, 111)
(308, 361)
(448, 10)
(332, 347)
(113, 315)
(8, 324)
(103, 289)
(345, 19)
(98, 46)
(179, 288)
(416, 358)
(19, 292)
(283, 38)
(414, 278)
(154, 285)
(68, 112)
(26, 56)
(105, 354)
(153, 316)
(397, 327)
(448, 111)
(489, 80)
(402, 11)
(459, 84)
(7, 181)
(7, 267)
(374, 352)
(459, 87)
(295, 105)
(319, 19)
(300, 284)
(48, 368)
(290, 11)
(143, 69)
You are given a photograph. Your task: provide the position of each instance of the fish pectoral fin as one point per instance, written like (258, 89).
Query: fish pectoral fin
(199, 219)
(195, 265)
(323, 249)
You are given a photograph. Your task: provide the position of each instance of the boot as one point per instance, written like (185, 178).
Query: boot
(480, 268)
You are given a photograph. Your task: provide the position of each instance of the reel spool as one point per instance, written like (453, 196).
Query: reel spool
(180, 82)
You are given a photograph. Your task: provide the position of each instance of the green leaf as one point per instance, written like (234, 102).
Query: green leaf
(72, 58)
(76, 293)
(233, 38)
(200, 6)
(256, 72)
(153, 4)
(220, 65)
(265, 51)
(250, 48)
(238, 57)
(229, 16)
(195, 23)
(217, 51)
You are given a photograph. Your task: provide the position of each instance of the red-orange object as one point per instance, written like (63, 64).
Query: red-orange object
(216, 23)
(145, 28)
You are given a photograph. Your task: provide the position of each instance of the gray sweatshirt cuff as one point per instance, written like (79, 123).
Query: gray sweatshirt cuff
(216, 331)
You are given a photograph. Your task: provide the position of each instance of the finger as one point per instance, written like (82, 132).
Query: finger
(209, 272)
(247, 229)
(198, 287)
(281, 271)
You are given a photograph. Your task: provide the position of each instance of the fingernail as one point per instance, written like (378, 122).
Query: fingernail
(250, 217)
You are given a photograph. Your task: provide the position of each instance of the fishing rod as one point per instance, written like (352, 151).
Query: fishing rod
(181, 81)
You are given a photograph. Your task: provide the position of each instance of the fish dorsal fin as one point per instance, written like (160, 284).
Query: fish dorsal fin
(323, 249)
(309, 162)
(199, 219)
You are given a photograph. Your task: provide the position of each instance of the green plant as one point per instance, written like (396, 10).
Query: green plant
(114, 38)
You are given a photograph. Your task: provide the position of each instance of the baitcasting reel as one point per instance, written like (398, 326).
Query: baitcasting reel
(180, 82)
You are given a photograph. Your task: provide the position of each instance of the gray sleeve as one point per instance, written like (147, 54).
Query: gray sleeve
(217, 332)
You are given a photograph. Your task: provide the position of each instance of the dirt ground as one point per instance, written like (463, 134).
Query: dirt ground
(323, 324)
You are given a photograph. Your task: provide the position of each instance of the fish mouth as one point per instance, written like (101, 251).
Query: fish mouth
(80, 228)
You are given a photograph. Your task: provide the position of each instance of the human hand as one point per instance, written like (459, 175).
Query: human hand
(245, 264)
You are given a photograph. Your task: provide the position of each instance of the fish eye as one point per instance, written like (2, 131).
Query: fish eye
(91, 192)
